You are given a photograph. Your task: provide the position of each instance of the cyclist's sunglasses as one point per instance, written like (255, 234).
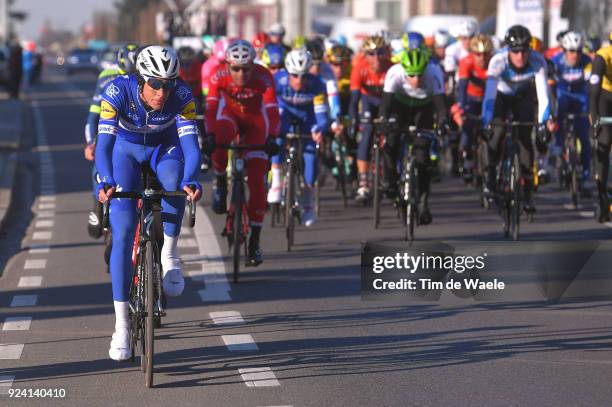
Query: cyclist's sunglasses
(298, 75)
(244, 69)
(414, 75)
(158, 84)
(520, 50)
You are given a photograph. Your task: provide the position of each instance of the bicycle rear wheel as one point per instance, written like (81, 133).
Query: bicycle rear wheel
(516, 199)
(237, 228)
(376, 187)
(574, 187)
(150, 309)
(411, 203)
(289, 203)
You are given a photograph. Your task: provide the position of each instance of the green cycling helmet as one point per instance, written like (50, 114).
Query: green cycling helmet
(414, 61)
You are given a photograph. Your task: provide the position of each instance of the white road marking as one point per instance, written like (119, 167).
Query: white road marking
(226, 318)
(47, 199)
(24, 300)
(44, 223)
(184, 243)
(42, 235)
(46, 206)
(45, 214)
(239, 343)
(213, 271)
(17, 323)
(38, 249)
(11, 350)
(30, 281)
(47, 193)
(258, 377)
(6, 383)
(35, 264)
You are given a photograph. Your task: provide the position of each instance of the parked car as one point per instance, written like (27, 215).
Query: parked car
(82, 60)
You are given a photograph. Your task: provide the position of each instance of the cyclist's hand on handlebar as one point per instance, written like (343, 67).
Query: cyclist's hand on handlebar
(193, 193)
(337, 128)
(317, 136)
(551, 125)
(105, 193)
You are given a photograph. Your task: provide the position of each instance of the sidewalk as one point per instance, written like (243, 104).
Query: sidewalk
(11, 129)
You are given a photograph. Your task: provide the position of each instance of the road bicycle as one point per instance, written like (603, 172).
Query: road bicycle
(569, 166)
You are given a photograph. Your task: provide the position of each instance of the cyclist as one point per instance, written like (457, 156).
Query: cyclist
(321, 68)
(302, 98)
(273, 57)
(552, 51)
(367, 81)
(509, 90)
(259, 41)
(441, 40)
(217, 58)
(591, 45)
(242, 100)
(413, 90)
(572, 69)
(470, 92)
(125, 64)
(146, 118)
(600, 104)
(458, 50)
(277, 34)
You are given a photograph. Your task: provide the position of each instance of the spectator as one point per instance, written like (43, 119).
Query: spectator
(15, 68)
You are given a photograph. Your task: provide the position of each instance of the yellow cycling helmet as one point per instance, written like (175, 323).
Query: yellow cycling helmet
(298, 42)
(338, 54)
(481, 43)
(536, 44)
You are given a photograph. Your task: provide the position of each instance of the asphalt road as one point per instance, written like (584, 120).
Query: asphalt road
(295, 331)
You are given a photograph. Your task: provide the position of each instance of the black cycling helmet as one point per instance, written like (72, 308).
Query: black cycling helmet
(518, 37)
(316, 50)
(126, 57)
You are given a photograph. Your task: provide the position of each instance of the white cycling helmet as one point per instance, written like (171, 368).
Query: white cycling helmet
(240, 52)
(572, 41)
(156, 61)
(467, 28)
(441, 39)
(277, 29)
(298, 61)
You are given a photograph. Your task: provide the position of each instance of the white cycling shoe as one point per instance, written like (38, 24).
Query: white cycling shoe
(173, 283)
(309, 216)
(120, 345)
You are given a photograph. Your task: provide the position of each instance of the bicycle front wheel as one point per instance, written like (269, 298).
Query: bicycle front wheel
(376, 187)
(289, 203)
(150, 308)
(237, 228)
(516, 198)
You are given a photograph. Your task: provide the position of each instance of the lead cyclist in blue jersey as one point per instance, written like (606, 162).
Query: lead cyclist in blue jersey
(509, 93)
(302, 98)
(146, 118)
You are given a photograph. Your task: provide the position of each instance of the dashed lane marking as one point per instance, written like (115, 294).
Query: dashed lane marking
(46, 235)
(30, 281)
(11, 350)
(47, 199)
(259, 377)
(46, 206)
(45, 214)
(38, 249)
(31, 264)
(24, 300)
(239, 343)
(17, 323)
(6, 383)
(44, 223)
(227, 318)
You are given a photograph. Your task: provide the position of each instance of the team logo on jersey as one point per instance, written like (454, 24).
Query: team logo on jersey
(182, 92)
(189, 111)
(319, 99)
(112, 90)
(107, 111)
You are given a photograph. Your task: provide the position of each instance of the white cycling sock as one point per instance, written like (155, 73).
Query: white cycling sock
(277, 174)
(169, 257)
(121, 315)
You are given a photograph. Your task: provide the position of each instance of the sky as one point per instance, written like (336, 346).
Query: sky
(70, 14)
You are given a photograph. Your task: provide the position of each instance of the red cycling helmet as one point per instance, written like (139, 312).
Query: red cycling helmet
(260, 40)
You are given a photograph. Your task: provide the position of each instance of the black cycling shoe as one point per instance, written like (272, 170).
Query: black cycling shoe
(425, 217)
(255, 255)
(529, 207)
(219, 203)
(94, 225)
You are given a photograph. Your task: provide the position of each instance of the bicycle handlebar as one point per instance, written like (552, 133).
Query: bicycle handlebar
(604, 121)
(148, 194)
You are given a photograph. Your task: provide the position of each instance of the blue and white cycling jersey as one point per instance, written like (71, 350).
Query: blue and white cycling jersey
(504, 78)
(123, 115)
(572, 79)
